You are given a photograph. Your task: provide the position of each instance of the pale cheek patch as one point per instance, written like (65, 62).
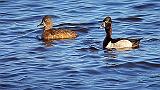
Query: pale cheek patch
(44, 24)
(104, 24)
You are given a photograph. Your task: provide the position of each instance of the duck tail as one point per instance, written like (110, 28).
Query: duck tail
(135, 43)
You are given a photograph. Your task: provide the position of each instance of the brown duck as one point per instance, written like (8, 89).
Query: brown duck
(50, 33)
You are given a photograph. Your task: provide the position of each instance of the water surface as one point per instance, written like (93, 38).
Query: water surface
(27, 63)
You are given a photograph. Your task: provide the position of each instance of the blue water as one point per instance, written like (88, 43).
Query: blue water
(27, 63)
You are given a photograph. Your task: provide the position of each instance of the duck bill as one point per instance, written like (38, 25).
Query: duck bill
(102, 25)
(41, 24)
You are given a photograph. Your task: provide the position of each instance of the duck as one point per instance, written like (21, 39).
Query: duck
(50, 33)
(117, 43)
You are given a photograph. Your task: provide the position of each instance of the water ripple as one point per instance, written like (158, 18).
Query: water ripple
(7, 59)
(142, 64)
(4, 86)
(26, 63)
(145, 6)
(130, 19)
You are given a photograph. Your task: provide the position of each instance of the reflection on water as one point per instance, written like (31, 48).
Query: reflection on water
(121, 49)
(29, 63)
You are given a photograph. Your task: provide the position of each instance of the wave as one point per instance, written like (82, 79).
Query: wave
(141, 64)
(130, 19)
(145, 6)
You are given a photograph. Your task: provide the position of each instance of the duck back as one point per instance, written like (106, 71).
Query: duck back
(59, 34)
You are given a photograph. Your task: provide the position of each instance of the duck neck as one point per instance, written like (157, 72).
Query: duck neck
(108, 37)
(48, 25)
(108, 32)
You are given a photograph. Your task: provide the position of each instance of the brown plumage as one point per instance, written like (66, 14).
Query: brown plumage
(55, 34)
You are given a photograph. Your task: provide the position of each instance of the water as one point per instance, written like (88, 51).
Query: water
(27, 63)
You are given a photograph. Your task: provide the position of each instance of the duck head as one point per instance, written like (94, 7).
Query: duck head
(107, 24)
(46, 22)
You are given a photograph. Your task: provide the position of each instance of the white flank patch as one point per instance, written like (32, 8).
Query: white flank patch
(120, 44)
